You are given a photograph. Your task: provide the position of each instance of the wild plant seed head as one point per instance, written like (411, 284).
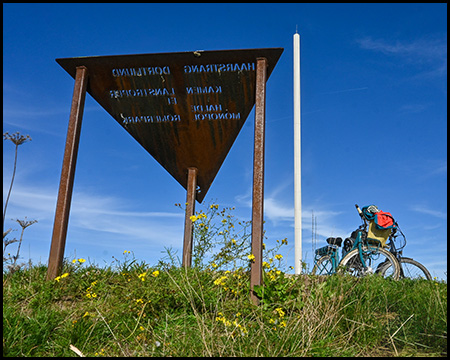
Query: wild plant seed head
(16, 138)
(25, 223)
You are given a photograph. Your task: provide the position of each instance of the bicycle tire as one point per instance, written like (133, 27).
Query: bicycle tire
(414, 271)
(351, 263)
(321, 266)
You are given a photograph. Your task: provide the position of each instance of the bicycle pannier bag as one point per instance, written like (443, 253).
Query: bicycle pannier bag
(376, 234)
(381, 224)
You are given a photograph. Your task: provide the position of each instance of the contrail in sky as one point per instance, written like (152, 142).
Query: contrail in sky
(346, 90)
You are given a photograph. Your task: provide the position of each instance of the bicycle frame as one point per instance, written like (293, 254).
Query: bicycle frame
(332, 250)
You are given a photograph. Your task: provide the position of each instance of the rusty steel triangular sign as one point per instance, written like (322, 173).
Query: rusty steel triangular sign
(186, 109)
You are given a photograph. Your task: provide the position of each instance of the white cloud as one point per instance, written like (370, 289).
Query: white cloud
(90, 212)
(413, 108)
(429, 52)
(328, 223)
(275, 211)
(427, 211)
(421, 49)
(439, 167)
(99, 225)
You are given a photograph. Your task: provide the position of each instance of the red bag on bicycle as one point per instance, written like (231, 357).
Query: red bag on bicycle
(384, 220)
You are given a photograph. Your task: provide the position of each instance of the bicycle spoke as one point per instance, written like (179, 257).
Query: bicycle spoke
(375, 262)
(411, 269)
(323, 266)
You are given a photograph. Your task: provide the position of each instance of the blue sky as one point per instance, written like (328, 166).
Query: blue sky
(374, 124)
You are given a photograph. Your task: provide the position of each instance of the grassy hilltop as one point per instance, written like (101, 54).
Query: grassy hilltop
(131, 308)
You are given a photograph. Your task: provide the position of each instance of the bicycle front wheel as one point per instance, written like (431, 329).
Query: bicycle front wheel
(410, 269)
(323, 266)
(377, 261)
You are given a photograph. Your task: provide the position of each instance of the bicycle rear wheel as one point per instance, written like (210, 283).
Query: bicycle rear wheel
(323, 266)
(410, 269)
(378, 261)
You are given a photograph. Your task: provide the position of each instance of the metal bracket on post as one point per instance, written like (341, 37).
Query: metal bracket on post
(67, 175)
(188, 224)
(258, 178)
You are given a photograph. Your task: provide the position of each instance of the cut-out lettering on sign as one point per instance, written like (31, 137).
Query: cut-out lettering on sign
(186, 109)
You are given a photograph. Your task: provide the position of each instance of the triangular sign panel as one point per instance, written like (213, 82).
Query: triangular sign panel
(186, 109)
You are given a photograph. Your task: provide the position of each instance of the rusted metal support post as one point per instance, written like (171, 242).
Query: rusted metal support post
(67, 175)
(258, 177)
(188, 224)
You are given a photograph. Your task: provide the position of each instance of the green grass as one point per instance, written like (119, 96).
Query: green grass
(118, 311)
(134, 309)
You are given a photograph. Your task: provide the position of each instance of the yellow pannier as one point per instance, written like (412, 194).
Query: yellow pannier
(378, 234)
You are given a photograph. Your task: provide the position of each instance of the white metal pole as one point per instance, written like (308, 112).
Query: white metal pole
(297, 159)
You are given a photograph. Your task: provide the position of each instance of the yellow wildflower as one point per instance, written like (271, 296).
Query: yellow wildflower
(81, 260)
(220, 281)
(61, 277)
(278, 256)
(251, 257)
(142, 276)
(101, 353)
(271, 275)
(155, 273)
(280, 312)
(193, 218)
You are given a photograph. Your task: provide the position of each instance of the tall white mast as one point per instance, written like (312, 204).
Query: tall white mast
(297, 159)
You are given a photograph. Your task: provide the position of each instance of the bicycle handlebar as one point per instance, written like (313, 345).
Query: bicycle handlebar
(361, 215)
